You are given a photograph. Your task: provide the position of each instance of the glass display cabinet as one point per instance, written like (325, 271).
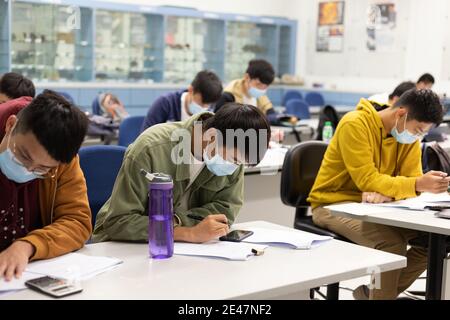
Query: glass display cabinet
(4, 37)
(191, 45)
(83, 40)
(48, 44)
(285, 58)
(246, 41)
(127, 46)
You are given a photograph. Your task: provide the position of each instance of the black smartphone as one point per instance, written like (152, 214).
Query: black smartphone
(236, 235)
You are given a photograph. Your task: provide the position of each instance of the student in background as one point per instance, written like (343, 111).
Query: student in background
(44, 210)
(14, 85)
(252, 88)
(112, 107)
(384, 99)
(375, 157)
(205, 90)
(208, 183)
(426, 81)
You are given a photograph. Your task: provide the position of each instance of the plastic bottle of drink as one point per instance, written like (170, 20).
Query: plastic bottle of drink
(327, 132)
(160, 214)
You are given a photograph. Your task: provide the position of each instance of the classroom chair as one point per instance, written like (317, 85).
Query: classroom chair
(300, 168)
(100, 165)
(129, 130)
(67, 96)
(298, 108)
(96, 109)
(315, 99)
(290, 95)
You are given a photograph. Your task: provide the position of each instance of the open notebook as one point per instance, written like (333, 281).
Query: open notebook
(218, 249)
(292, 238)
(70, 266)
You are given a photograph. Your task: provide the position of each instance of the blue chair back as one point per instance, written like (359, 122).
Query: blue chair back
(129, 130)
(291, 94)
(315, 99)
(298, 108)
(96, 107)
(100, 165)
(67, 96)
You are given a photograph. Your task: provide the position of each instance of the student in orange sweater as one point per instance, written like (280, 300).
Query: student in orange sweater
(376, 157)
(44, 210)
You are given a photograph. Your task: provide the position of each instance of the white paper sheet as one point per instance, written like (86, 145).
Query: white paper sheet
(295, 239)
(218, 249)
(73, 265)
(17, 284)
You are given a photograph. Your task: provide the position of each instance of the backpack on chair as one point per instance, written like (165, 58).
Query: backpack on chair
(435, 158)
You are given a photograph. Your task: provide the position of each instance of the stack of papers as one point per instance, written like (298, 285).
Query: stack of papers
(295, 239)
(218, 249)
(70, 266)
(73, 265)
(274, 157)
(419, 203)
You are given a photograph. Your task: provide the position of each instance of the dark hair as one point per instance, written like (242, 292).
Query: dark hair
(426, 78)
(59, 126)
(208, 84)
(225, 98)
(401, 89)
(423, 106)
(262, 70)
(14, 86)
(236, 116)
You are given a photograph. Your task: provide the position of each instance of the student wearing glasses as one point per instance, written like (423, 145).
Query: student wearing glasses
(44, 210)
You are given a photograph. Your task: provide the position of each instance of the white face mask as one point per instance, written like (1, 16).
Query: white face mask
(405, 137)
(219, 166)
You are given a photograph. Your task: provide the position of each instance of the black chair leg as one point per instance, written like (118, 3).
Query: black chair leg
(297, 135)
(333, 291)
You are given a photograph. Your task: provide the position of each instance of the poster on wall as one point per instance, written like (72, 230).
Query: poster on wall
(330, 27)
(381, 25)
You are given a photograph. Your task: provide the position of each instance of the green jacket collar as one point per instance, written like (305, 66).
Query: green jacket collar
(183, 170)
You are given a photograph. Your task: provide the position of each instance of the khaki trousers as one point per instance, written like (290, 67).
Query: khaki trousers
(381, 237)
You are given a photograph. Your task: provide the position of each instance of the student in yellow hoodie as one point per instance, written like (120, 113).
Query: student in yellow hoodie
(376, 157)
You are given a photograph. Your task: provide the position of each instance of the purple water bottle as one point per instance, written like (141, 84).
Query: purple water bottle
(160, 214)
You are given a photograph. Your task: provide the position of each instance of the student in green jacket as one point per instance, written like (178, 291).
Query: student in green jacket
(205, 155)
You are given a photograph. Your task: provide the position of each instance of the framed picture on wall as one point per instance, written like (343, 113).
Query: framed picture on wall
(330, 27)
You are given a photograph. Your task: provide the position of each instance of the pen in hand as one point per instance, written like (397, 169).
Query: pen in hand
(197, 217)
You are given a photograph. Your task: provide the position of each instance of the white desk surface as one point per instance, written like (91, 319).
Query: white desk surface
(409, 219)
(278, 272)
(303, 125)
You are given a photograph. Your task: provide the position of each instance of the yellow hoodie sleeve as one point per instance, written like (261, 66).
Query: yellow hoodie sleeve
(363, 171)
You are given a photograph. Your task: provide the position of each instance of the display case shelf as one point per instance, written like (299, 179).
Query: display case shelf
(121, 42)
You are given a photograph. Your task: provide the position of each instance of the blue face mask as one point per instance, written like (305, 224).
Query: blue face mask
(256, 93)
(195, 108)
(405, 137)
(13, 170)
(218, 166)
